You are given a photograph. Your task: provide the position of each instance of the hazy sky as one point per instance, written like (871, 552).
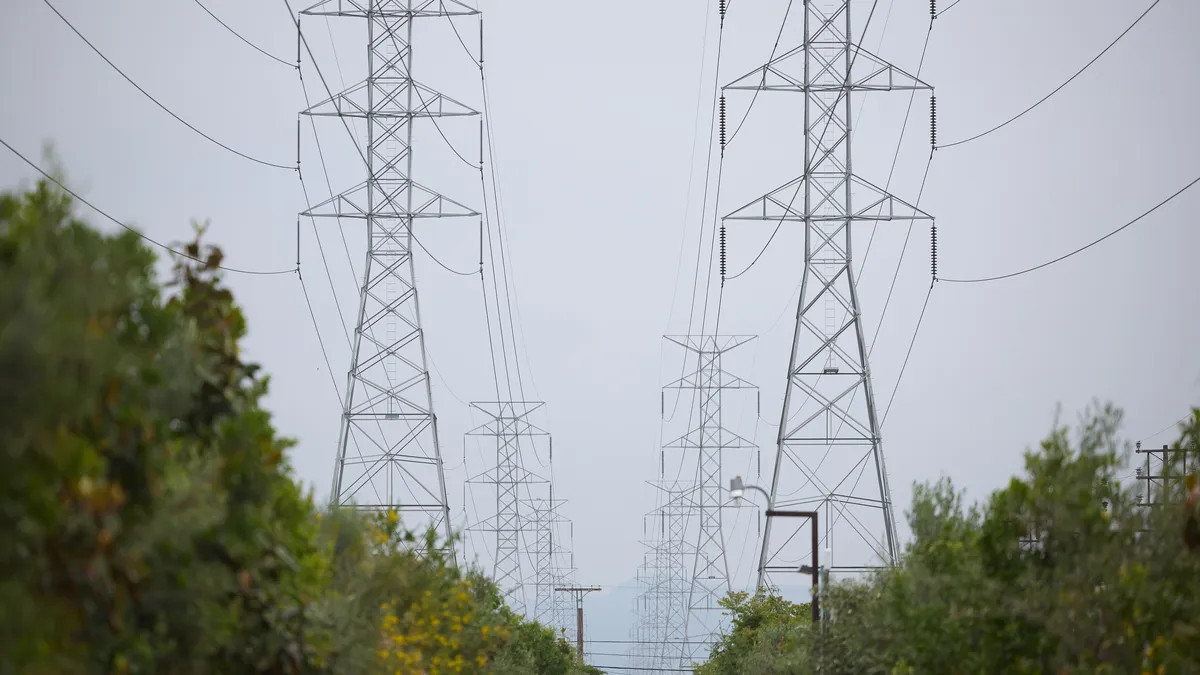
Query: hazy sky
(594, 108)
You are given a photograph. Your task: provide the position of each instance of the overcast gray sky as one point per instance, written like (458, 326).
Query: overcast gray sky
(594, 108)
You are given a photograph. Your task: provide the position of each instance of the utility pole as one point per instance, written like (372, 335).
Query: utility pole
(578, 592)
(829, 453)
(388, 454)
(1160, 478)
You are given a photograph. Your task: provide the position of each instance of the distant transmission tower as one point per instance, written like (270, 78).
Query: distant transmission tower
(509, 424)
(709, 578)
(551, 609)
(829, 455)
(673, 588)
(388, 453)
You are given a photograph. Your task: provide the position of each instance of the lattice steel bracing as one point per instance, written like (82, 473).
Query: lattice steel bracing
(388, 454)
(551, 609)
(648, 629)
(709, 439)
(829, 454)
(510, 427)
(672, 553)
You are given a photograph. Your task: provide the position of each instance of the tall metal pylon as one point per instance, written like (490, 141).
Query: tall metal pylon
(509, 424)
(673, 552)
(388, 454)
(709, 439)
(829, 453)
(551, 609)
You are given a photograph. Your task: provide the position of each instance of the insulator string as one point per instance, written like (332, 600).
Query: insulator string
(933, 121)
(722, 125)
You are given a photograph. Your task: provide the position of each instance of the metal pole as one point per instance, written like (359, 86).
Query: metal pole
(579, 626)
(816, 571)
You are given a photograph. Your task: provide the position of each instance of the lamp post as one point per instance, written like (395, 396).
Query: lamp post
(737, 488)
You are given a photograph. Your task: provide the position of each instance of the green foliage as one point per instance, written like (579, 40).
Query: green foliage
(764, 630)
(1111, 589)
(150, 519)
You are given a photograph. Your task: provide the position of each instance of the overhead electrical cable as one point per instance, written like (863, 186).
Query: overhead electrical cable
(904, 366)
(1076, 251)
(239, 36)
(687, 208)
(774, 49)
(325, 84)
(159, 244)
(899, 261)
(947, 8)
(895, 158)
(1059, 87)
(147, 94)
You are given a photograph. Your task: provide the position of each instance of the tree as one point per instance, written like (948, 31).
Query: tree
(764, 634)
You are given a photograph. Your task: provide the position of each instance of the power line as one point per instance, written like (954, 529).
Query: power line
(1059, 87)
(156, 101)
(440, 263)
(243, 39)
(1078, 250)
(904, 366)
(896, 275)
(320, 341)
(947, 8)
(159, 244)
(645, 669)
(895, 158)
(1166, 428)
(328, 91)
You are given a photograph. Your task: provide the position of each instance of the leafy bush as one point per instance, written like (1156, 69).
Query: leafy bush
(150, 519)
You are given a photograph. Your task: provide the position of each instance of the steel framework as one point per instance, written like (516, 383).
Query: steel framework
(663, 606)
(509, 424)
(709, 439)
(388, 454)
(550, 608)
(829, 438)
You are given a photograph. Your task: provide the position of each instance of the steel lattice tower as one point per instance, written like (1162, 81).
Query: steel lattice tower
(673, 585)
(509, 424)
(709, 580)
(829, 454)
(388, 453)
(549, 608)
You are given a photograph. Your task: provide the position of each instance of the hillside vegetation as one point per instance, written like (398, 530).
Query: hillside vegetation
(150, 521)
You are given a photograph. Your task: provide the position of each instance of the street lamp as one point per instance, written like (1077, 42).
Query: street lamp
(737, 489)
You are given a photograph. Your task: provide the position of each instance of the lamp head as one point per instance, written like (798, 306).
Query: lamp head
(736, 487)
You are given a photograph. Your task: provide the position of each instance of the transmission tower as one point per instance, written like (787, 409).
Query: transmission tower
(549, 608)
(673, 583)
(709, 439)
(388, 453)
(509, 424)
(829, 454)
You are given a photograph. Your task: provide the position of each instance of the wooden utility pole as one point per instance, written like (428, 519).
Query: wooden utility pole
(578, 592)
